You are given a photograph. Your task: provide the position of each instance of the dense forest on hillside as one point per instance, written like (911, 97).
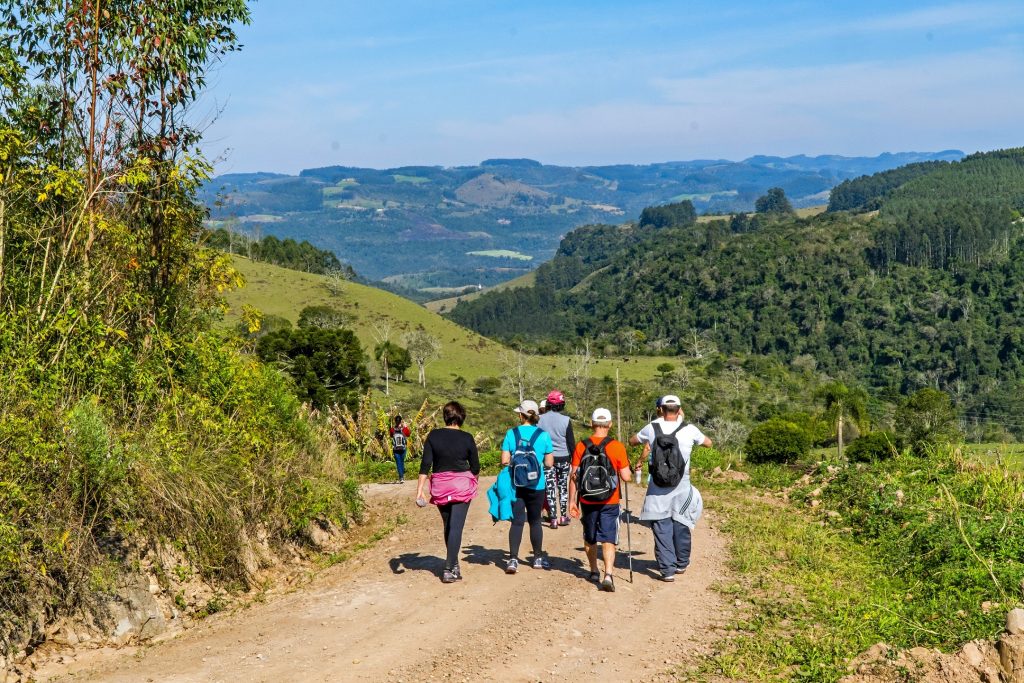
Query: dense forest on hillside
(440, 229)
(286, 253)
(820, 293)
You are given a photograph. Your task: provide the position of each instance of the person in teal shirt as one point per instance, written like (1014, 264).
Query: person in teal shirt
(530, 491)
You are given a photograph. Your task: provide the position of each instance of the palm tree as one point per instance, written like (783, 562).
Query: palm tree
(382, 352)
(842, 402)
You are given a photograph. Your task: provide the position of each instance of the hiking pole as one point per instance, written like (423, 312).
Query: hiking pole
(629, 538)
(626, 485)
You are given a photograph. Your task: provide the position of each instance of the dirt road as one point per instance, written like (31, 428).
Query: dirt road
(385, 615)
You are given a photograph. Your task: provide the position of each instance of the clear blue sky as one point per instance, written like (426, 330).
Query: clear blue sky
(450, 82)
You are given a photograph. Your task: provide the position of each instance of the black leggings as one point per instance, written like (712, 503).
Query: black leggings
(528, 506)
(454, 517)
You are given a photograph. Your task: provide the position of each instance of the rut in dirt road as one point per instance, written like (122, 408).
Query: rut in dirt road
(385, 616)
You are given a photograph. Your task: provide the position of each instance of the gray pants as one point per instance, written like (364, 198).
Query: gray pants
(672, 542)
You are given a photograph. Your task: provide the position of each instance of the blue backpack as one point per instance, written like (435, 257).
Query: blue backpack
(524, 466)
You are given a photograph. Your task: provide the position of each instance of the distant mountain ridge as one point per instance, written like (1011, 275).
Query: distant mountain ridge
(424, 227)
(911, 280)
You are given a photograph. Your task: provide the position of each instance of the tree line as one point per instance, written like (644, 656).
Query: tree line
(810, 292)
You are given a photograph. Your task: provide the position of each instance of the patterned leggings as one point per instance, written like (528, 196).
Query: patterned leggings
(557, 484)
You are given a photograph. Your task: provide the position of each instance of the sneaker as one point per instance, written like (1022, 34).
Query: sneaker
(512, 566)
(595, 577)
(449, 576)
(564, 521)
(553, 523)
(608, 584)
(541, 563)
(457, 572)
(668, 578)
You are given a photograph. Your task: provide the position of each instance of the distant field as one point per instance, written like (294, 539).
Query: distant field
(449, 303)
(1012, 454)
(801, 213)
(414, 179)
(283, 292)
(501, 253)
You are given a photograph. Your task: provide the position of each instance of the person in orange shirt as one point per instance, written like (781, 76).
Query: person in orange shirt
(599, 467)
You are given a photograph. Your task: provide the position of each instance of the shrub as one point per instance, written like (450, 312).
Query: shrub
(776, 441)
(873, 446)
(927, 419)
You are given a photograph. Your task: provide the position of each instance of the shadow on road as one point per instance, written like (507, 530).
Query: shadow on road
(415, 561)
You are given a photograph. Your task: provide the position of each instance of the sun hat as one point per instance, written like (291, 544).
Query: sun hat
(670, 400)
(556, 396)
(543, 403)
(601, 415)
(526, 407)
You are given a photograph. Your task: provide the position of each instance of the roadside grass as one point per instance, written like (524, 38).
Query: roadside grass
(386, 529)
(812, 598)
(829, 559)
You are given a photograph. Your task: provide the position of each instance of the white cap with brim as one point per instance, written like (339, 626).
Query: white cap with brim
(526, 407)
(670, 400)
(601, 415)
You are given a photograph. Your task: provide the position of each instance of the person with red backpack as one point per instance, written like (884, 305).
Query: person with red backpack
(399, 445)
(599, 468)
(672, 504)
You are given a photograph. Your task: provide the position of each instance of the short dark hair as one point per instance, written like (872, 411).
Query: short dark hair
(557, 407)
(454, 413)
(671, 409)
(398, 420)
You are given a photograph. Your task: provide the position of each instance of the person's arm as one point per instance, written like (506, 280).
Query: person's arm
(634, 440)
(570, 439)
(549, 456)
(506, 450)
(574, 503)
(644, 454)
(706, 443)
(474, 457)
(641, 437)
(625, 472)
(426, 463)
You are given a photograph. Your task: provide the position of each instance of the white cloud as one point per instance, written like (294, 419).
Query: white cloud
(968, 100)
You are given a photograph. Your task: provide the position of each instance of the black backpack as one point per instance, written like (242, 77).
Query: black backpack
(398, 439)
(596, 477)
(667, 463)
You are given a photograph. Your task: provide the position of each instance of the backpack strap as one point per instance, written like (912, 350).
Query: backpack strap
(515, 434)
(536, 435)
(676, 430)
(657, 430)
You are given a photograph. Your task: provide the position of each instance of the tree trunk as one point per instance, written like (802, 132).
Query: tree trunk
(839, 435)
(387, 378)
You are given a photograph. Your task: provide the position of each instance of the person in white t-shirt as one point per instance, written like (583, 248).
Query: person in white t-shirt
(662, 505)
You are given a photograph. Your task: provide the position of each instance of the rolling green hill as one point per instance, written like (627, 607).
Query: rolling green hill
(925, 293)
(280, 291)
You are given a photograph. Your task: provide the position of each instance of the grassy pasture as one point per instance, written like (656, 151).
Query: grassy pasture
(501, 253)
(283, 292)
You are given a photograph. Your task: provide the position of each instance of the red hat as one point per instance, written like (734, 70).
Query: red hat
(556, 396)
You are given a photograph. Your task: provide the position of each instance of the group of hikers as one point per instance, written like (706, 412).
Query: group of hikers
(544, 465)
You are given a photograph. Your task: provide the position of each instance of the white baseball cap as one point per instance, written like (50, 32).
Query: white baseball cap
(601, 415)
(670, 400)
(526, 407)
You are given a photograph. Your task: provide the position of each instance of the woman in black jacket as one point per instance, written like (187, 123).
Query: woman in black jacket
(452, 464)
